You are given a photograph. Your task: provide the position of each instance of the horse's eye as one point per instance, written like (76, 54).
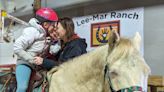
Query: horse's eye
(114, 74)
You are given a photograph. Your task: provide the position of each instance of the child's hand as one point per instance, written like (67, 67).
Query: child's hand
(38, 60)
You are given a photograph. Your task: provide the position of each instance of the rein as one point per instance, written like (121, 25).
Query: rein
(106, 75)
(45, 49)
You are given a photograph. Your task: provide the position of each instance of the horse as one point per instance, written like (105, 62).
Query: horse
(117, 66)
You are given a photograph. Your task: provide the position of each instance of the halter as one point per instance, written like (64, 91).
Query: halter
(130, 89)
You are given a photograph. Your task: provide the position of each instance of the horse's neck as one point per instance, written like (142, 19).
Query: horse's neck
(87, 71)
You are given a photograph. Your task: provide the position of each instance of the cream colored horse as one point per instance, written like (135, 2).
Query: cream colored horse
(85, 73)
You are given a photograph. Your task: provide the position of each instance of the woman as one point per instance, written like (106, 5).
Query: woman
(72, 44)
(32, 43)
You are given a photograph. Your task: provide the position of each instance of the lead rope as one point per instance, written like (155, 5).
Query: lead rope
(43, 55)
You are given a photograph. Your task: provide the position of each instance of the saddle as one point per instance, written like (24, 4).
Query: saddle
(8, 79)
(37, 79)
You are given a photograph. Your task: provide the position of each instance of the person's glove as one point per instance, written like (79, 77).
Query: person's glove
(48, 40)
(54, 48)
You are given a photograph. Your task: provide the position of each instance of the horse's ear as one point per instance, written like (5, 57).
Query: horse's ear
(137, 40)
(113, 39)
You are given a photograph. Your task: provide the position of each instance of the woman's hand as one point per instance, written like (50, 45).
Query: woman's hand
(38, 60)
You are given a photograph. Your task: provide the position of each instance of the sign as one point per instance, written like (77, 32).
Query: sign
(96, 28)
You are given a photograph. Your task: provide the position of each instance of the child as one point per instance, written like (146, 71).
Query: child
(31, 43)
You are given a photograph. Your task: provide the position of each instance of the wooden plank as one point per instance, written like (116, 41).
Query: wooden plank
(156, 80)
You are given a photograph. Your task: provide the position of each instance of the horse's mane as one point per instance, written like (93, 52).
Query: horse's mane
(126, 51)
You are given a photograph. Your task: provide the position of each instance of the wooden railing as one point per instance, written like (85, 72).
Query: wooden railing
(156, 83)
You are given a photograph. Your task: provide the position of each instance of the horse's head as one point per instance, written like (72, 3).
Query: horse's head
(127, 67)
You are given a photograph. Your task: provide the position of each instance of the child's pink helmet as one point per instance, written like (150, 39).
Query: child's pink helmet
(47, 14)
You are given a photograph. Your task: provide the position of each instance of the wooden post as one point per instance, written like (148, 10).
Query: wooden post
(37, 5)
(2, 19)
